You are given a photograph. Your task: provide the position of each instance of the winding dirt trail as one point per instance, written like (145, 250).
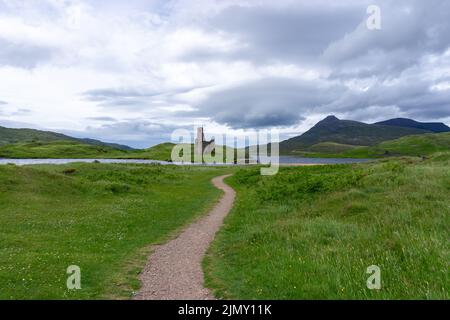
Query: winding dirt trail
(174, 269)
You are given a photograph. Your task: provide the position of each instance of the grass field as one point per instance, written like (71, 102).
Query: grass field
(61, 149)
(74, 149)
(414, 145)
(306, 233)
(417, 145)
(311, 232)
(57, 149)
(100, 217)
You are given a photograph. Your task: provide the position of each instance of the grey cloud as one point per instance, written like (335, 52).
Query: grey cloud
(335, 38)
(136, 133)
(410, 30)
(19, 124)
(407, 98)
(105, 94)
(292, 34)
(102, 119)
(317, 36)
(15, 112)
(120, 97)
(334, 35)
(268, 102)
(134, 97)
(23, 110)
(23, 55)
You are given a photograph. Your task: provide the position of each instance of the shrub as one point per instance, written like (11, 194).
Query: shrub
(69, 171)
(117, 187)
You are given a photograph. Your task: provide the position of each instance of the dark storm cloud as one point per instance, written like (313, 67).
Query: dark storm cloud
(268, 102)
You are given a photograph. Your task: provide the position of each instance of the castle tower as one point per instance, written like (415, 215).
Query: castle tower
(201, 145)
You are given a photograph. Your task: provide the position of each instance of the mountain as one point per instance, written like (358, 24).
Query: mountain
(346, 132)
(409, 123)
(107, 144)
(12, 136)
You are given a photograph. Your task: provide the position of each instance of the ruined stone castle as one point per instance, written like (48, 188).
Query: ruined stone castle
(202, 146)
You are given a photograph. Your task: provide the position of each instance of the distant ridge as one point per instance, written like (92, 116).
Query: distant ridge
(347, 132)
(101, 143)
(11, 136)
(409, 123)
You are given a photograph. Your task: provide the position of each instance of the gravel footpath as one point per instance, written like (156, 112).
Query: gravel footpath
(174, 269)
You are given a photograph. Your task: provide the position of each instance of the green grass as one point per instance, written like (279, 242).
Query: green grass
(417, 145)
(10, 136)
(74, 149)
(57, 149)
(159, 152)
(100, 217)
(331, 147)
(414, 145)
(311, 232)
(330, 150)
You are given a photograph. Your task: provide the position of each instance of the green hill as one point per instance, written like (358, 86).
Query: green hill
(417, 145)
(58, 149)
(37, 144)
(12, 136)
(160, 152)
(73, 149)
(331, 147)
(345, 132)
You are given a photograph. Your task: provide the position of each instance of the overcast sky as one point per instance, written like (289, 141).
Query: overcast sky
(133, 71)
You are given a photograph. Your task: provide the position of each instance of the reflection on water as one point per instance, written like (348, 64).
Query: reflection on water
(283, 160)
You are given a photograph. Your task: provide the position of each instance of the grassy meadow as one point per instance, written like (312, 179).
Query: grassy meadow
(311, 232)
(69, 149)
(305, 233)
(414, 145)
(61, 149)
(100, 217)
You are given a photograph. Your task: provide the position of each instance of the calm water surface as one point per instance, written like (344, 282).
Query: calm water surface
(283, 160)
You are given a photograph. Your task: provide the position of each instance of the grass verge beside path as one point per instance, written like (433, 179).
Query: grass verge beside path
(311, 232)
(101, 217)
